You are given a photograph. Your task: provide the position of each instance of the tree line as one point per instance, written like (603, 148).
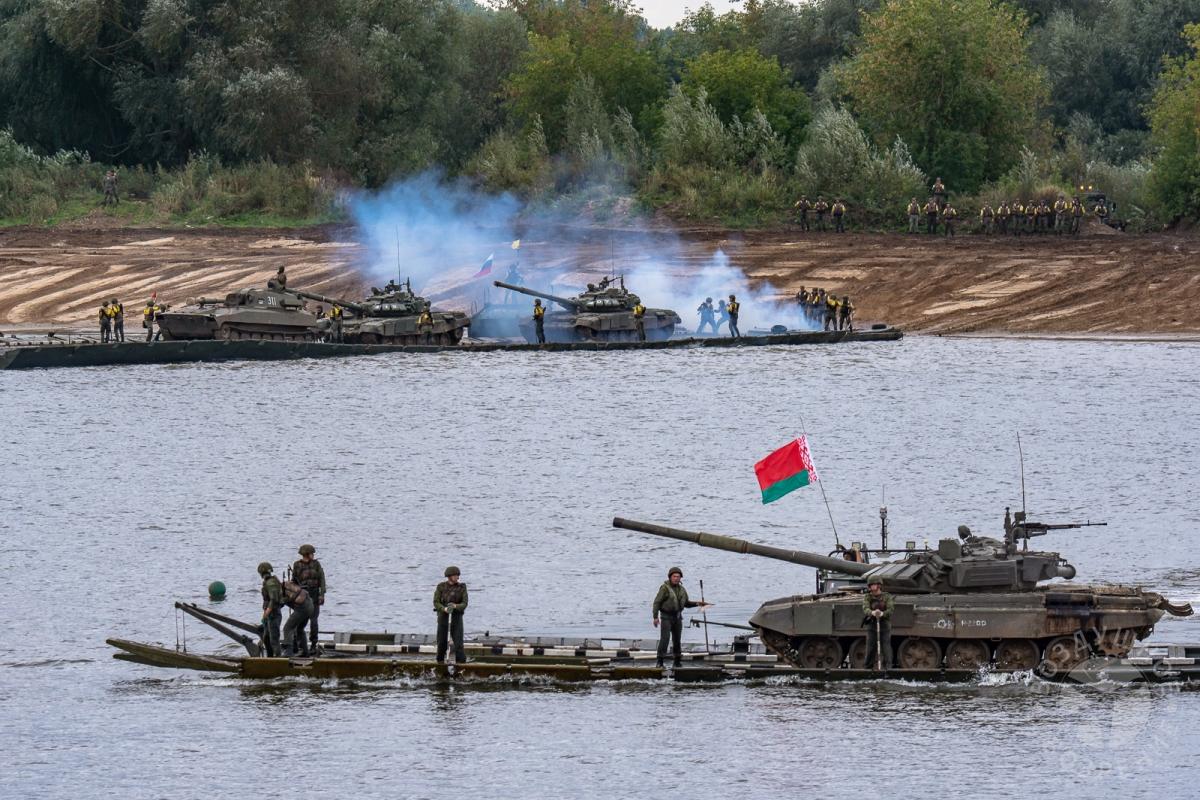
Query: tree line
(237, 105)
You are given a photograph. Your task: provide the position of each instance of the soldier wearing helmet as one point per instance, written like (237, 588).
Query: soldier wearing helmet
(669, 603)
(877, 608)
(310, 575)
(272, 596)
(449, 603)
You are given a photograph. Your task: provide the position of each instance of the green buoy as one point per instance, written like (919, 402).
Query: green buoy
(216, 591)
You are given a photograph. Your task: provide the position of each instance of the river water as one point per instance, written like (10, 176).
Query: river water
(127, 488)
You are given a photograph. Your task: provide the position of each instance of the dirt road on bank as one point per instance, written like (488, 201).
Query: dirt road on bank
(1101, 282)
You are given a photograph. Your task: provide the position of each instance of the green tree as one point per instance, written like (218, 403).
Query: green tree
(1175, 131)
(738, 83)
(953, 80)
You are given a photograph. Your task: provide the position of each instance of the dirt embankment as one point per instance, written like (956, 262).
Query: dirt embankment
(1101, 282)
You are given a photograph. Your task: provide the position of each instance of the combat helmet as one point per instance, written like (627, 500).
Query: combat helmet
(307, 550)
(265, 568)
(452, 571)
(673, 571)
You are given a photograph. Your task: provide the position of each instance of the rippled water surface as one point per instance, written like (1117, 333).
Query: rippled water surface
(124, 489)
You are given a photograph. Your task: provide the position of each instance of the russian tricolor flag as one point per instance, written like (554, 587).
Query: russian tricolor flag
(486, 269)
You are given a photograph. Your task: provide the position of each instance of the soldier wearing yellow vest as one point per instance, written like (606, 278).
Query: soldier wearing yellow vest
(118, 319)
(821, 209)
(831, 312)
(1031, 212)
(1076, 214)
(1060, 215)
(914, 215)
(845, 314)
(425, 324)
(336, 320)
(1018, 217)
(105, 323)
(949, 215)
(539, 321)
(987, 216)
(639, 317)
(931, 216)
(1101, 211)
(1002, 214)
(839, 215)
(732, 309)
(802, 207)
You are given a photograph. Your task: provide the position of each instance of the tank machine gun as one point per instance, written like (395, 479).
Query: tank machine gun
(971, 602)
(602, 313)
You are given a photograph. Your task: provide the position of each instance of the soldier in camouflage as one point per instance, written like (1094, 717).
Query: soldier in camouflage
(309, 573)
(272, 596)
(301, 605)
(877, 617)
(669, 604)
(449, 603)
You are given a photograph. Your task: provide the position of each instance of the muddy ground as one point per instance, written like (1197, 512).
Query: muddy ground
(1102, 282)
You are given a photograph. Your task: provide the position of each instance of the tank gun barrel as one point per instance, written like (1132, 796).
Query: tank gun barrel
(320, 298)
(565, 302)
(742, 546)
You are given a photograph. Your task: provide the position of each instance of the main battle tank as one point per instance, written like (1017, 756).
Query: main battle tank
(244, 314)
(602, 313)
(973, 602)
(392, 315)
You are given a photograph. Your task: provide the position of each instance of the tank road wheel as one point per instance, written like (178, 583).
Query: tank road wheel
(226, 333)
(919, 652)
(1063, 655)
(1016, 654)
(858, 654)
(967, 654)
(819, 652)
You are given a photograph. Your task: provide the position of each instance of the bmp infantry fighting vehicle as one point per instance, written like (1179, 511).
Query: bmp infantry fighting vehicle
(602, 313)
(245, 314)
(973, 602)
(392, 315)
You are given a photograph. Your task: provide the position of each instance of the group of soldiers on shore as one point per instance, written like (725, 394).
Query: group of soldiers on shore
(302, 591)
(724, 313)
(1063, 216)
(821, 308)
(820, 210)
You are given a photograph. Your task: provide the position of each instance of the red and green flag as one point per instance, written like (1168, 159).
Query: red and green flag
(785, 470)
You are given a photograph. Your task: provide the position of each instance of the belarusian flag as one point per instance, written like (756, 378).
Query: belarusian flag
(785, 470)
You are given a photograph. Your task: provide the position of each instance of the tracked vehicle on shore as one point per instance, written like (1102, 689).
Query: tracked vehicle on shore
(974, 602)
(392, 315)
(264, 314)
(603, 313)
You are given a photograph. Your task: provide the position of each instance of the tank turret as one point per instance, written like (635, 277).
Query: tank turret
(393, 315)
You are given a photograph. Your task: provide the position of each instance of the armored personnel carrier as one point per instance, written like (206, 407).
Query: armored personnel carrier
(973, 602)
(392, 315)
(245, 314)
(603, 313)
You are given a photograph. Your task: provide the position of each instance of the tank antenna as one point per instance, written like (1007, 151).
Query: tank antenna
(1021, 456)
(398, 267)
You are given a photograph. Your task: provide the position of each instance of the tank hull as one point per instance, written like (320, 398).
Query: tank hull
(1052, 627)
(225, 323)
(590, 327)
(448, 328)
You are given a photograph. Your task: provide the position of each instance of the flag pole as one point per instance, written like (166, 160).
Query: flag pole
(821, 483)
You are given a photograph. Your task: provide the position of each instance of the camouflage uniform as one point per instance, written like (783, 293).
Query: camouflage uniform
(301, 605)
(802, 206)
(105, 324)
(311, 576)
(885, 603)
(639, 316)
(272, 595)
(118, 319)
(669, 603)
(449, 601)
(914, 216)
(539, 322)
